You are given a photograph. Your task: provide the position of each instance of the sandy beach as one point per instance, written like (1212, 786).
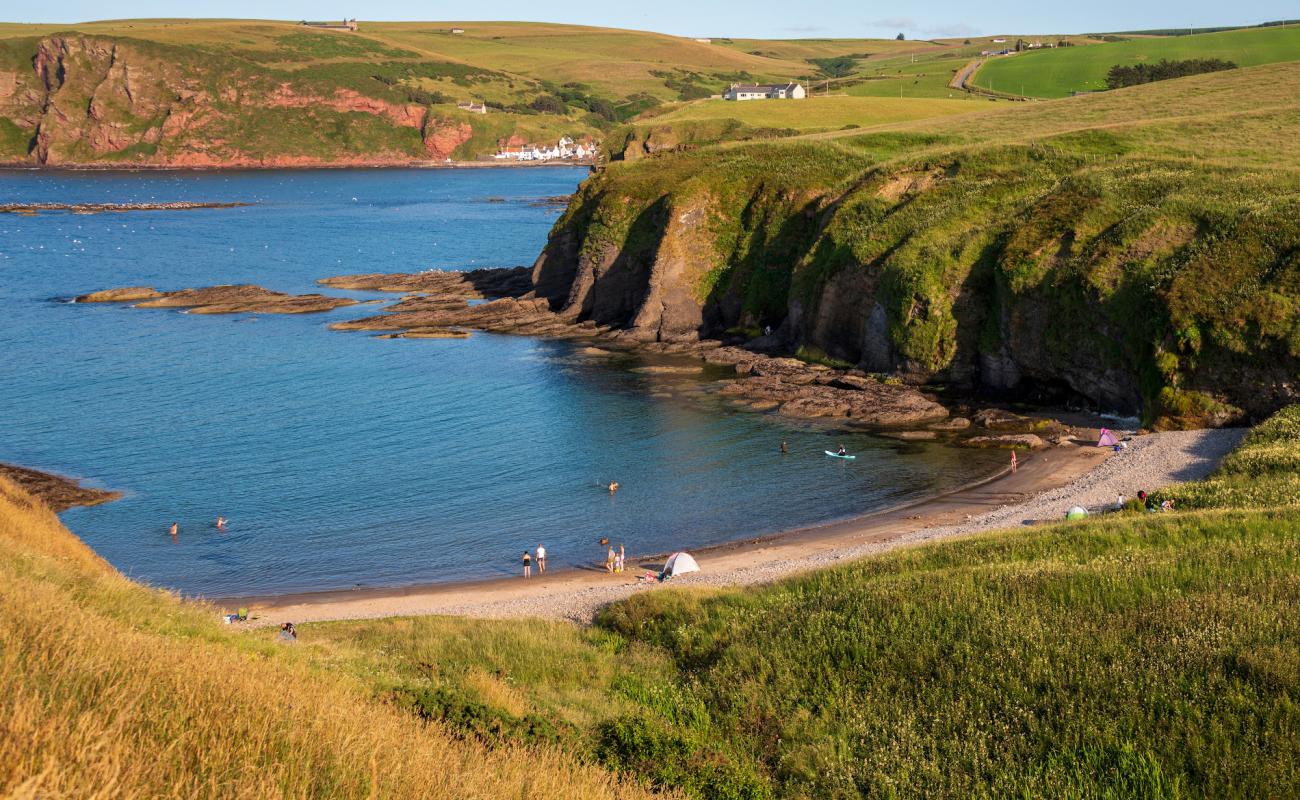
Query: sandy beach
(1045, 486)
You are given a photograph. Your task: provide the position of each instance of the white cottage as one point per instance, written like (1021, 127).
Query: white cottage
(765, 91)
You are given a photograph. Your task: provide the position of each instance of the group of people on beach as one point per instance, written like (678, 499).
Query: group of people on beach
(614, 561)
(1147, 502)
(540, 558)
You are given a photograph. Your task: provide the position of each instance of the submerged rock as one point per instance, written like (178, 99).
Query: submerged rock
(1008, 440)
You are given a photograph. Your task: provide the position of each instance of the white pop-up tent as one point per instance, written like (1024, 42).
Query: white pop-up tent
(679, 564)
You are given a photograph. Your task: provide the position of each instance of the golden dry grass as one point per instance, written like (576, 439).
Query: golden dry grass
(108, 689)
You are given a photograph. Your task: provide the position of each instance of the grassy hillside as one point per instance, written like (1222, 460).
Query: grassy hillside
(815, 113)
(109, 689)
(1135, 655)
(1057, 73)
(1134, 249)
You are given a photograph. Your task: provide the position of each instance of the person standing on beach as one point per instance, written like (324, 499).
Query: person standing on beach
(1015, 463)
(618, 560)
(528, 565)
(541, 559)
(609, 560)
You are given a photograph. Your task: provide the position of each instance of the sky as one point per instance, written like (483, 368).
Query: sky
(754, 18)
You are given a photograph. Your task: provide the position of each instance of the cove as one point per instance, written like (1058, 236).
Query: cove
(344, 460)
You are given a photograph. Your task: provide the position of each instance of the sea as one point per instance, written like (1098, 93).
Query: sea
(343, 460)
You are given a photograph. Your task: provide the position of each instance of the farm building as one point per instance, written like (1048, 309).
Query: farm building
(765, 91)
(345, 25)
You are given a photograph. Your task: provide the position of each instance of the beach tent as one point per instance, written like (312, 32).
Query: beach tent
(1076, 512)
(679, 564)
(1107, 439)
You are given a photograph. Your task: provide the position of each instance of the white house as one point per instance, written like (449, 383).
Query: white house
(472, 107)
(765, 91)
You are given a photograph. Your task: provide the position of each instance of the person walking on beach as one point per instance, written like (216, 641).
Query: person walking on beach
(609, 560)
(528, 565)
(541, 559)
(618, 560)
(174, 529)
(1015, 463)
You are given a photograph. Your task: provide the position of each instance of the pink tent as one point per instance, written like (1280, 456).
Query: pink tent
(1107, 439)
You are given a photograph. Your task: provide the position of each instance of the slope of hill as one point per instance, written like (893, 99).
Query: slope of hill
(1135, 250)
(110, 689)
(1058, 72)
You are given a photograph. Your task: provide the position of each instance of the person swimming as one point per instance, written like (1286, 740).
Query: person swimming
(174, 529)
(613, 486)
(221, 523)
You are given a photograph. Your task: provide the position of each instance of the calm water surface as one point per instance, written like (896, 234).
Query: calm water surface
(341, 459)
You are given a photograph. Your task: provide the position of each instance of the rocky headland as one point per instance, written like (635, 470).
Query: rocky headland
(231, 299)
(436, 307)
(56, 491)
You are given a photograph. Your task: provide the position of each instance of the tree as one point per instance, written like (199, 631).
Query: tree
(900, 37)
(549, 104)
(837, 67)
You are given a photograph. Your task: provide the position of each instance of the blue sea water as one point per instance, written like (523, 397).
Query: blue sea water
(344, 460)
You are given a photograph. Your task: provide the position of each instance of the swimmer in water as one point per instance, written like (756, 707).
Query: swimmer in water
(613, 486)
(221, 523)
(174, 529)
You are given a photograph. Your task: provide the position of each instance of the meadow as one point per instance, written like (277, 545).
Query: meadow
(814, 114)
(1061, 71)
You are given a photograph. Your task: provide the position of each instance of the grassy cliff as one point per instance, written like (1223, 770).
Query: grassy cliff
(110, 689)
(1135, 250)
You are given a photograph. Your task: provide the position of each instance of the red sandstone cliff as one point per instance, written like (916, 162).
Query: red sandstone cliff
(89, 101)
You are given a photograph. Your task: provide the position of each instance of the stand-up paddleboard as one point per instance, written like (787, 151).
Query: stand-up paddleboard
(837, 455)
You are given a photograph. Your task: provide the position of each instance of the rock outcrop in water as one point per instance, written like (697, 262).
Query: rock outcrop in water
(101, 208)
(56, 491)
(232, 299)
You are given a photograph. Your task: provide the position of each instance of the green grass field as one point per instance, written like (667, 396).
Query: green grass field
(817, 113)
(1057, 73)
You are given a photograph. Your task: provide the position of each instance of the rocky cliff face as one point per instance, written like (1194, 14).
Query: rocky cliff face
(1005, 274)
(82, 100)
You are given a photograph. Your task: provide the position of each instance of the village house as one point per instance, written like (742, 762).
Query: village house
(765, 91)
(565, 149)
(472, 107)
(345, 25)
(457, 30)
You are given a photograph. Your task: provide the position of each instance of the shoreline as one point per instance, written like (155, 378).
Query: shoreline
(1046, 484)
(587, 163)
